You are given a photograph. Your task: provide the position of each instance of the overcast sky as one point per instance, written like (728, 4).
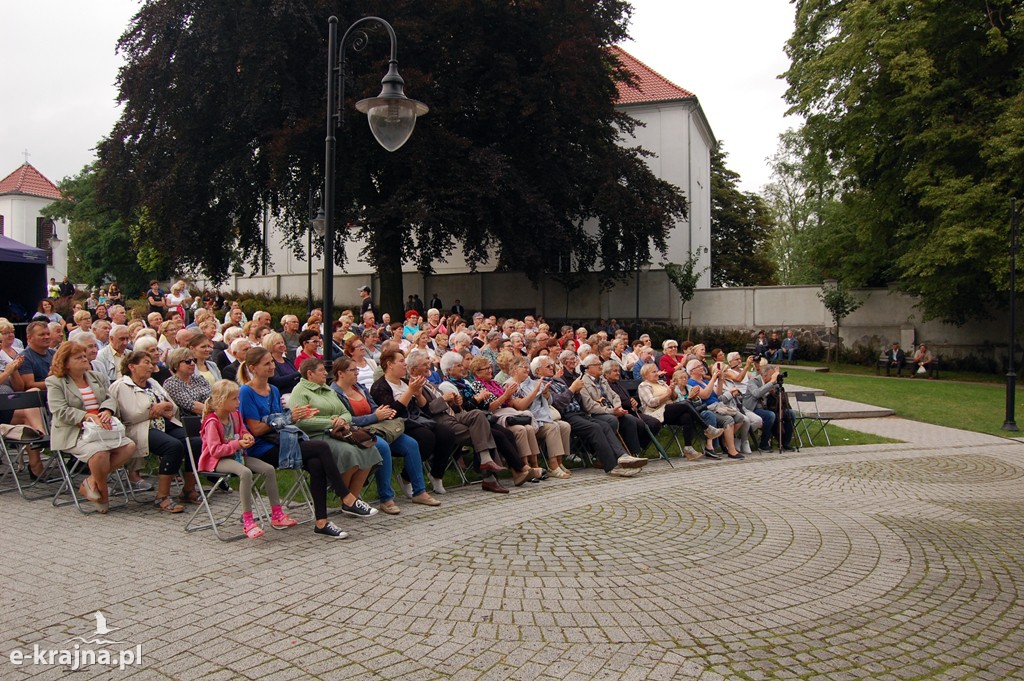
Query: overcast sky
(60, 67)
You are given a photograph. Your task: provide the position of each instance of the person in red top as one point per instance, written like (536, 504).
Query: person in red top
(310, 341)
(670, 359)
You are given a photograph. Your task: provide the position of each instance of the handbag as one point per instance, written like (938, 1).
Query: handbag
(389, 429)
(518, 421)
(723, 409)
(353, 436)
(93, 432)
(20, 433)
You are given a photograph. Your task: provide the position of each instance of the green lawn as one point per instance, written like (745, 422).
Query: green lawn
(948, 401)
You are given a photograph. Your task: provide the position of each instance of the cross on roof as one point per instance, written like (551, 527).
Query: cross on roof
(26, 155)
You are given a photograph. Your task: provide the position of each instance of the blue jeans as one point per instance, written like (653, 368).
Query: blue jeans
(766, 429)
(405, 447)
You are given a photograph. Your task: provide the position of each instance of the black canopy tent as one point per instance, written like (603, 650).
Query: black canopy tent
(22, 280)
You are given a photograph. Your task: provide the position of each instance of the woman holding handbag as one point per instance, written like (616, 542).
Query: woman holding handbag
(151, 421)
(328, 412)
(76, 397)
(391, 438)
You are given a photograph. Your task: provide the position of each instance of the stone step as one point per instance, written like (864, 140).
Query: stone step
(834, 408)
(803, 367)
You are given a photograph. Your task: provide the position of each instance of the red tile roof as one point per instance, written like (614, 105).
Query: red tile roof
(28, 181)
(651, 86)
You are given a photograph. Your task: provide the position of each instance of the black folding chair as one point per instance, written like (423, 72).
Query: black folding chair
(14, 452)
(808, 416)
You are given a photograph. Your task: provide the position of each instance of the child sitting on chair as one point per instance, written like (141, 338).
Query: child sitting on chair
(225, 440)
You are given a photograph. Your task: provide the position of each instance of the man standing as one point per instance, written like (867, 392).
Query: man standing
(367, 304)
(458, 309)
(435, 303)
(38, 356)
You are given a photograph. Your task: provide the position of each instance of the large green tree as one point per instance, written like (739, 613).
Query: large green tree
(801, 198)
(518, 160)
(104, 243)
(920, 108)
(741, 230)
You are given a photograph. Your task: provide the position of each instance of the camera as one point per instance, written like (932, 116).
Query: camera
(783, 375)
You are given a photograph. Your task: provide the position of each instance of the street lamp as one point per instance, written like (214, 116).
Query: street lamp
(1010, 423)
(392, 117)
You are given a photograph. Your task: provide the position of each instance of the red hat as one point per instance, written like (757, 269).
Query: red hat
(411, 313)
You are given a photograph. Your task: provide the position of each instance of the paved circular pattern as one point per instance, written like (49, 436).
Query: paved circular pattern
(964, 469)
(835, 563)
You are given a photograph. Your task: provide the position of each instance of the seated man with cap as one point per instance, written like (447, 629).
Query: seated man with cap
(598, 435)
(603, 404)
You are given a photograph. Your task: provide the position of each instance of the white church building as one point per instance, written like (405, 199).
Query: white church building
(23, 194)
(674, 128)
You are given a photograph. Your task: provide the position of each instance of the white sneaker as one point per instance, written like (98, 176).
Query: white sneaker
(627, 461)
(438, 485)
(745, 448)
(407, 489)
(621, 472)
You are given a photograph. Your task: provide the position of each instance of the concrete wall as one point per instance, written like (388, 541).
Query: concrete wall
(885, 316)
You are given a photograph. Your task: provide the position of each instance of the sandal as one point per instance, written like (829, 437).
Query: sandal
(167, 505)
(89, 491)
(191, 496)
(282, 520)
(253, 531)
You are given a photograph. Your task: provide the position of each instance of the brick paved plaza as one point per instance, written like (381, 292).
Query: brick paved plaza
(896, 561)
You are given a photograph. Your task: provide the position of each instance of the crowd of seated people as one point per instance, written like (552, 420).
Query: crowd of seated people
(522, 397)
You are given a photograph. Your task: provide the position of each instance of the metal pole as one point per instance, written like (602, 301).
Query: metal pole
(332, 104)
(309, 256)
(636, 327)
(1011, 375)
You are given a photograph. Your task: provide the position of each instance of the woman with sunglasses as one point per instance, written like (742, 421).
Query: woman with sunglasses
(186, 386)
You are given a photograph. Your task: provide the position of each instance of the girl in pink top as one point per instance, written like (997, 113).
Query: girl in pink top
(225, 440)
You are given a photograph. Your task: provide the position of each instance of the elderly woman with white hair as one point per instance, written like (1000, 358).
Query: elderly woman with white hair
(147, 343)
(657, 399)
(435, 324)
(534, 395)
(709, 390)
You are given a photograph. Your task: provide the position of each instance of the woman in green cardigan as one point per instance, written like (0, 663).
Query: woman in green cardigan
(355, 463)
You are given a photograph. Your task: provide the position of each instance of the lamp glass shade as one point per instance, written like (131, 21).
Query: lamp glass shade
(392, 119)
(320, 223)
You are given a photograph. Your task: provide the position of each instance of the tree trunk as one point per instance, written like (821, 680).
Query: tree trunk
(391, 296)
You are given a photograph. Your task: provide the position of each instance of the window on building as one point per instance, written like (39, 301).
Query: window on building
(44, 231)
(2, 226)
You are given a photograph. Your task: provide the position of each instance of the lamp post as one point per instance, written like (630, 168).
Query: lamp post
(1010, 423)
(391, 115)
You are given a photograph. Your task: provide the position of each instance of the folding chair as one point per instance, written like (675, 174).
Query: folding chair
(70, 467)
(191, 425)
(579, 450)
(14, 453)
(806, 415)
(299, 495)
